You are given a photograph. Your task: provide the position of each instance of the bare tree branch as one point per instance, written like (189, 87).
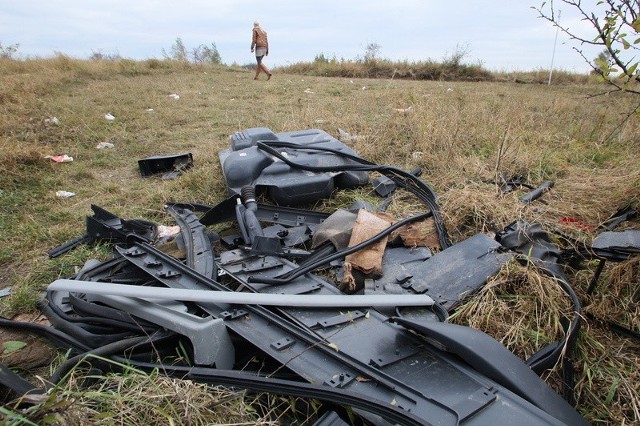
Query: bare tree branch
(620, 17)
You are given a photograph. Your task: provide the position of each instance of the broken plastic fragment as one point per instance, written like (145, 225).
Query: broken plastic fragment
(109, 117)
(346, 137)
(576, 223)
(103, 145)
(65, 194)
(60, 158)
(404, 110)
(174, 96)
(166, 231)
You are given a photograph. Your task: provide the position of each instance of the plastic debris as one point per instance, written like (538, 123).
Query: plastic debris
(60, 158)
(52, 120)
(174, 96)
(171, 165)
(109, 117)
(576, 223)
(404, 110)
(346, 137)
(103, 145)
(65, 194)
(309, 91)
(449, 89)
(167, 231)
(149, 110)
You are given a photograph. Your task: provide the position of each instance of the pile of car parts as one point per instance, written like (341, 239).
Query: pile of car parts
(270, 292)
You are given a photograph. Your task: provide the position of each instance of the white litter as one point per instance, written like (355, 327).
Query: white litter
(166, 231)
(109, 117)
(309, 91)
(346, 137)
(60, 158)
(174, 96)
(64, 194)
(149, 109)
(405, 110)
(52, 120)
(103, 145)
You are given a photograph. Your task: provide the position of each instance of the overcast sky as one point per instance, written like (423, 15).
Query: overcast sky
(502, 35)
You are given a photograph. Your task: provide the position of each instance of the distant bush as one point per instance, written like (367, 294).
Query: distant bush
(156, 64)
(7, 52)
(202, 54)
(129, 67)
(541, 76)
(206, 55)
(384, 68)
(98, 55)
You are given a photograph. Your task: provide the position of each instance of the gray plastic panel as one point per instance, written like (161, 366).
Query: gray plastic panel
(459, 270)
(245, 164)
(628, 241)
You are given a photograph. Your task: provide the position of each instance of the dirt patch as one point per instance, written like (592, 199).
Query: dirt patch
(24, 350)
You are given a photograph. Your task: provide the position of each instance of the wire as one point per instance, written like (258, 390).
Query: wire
(102, 351)
(400, 177)
(295, 273)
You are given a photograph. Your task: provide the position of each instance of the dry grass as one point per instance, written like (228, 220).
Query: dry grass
(462, 134)
(135, 398)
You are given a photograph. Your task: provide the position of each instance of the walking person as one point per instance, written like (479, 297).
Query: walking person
(260, 44)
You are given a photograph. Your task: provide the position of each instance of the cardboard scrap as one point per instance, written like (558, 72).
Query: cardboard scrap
(369, 259)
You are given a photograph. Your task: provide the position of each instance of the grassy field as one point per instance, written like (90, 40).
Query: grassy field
(462, 134)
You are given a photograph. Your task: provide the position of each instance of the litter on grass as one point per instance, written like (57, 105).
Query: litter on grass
(60, 158)
(65, 194)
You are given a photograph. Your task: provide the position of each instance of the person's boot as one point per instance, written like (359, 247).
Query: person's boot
(265, 70)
